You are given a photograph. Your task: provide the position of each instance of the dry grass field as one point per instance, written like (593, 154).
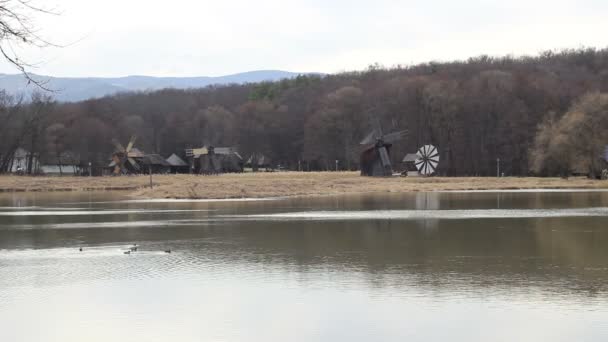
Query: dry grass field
(281, 184)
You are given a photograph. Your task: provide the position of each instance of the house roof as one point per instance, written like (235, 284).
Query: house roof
(224, 150)
(154, 159)
(197, 152)
(175, 160)
(410, 157)
(136, 153)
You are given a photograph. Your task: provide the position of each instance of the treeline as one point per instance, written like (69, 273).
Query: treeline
(474, 111)
(575, 143)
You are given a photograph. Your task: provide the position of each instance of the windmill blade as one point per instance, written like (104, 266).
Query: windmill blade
(386, 162)
(434, 159)
(369, 139)
(423, 167)
(376, 126)
(118, 145)
(395, 136)
(425, 151)
(419, 163)
(428, 169)
(133, 164)
(131, 143)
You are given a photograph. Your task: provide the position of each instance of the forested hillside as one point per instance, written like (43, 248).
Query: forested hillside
(474, 111)
(74, 89)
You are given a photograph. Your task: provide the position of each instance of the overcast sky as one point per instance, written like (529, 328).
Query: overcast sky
(210, 38)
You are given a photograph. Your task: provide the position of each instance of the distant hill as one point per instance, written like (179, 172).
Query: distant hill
(71, 89)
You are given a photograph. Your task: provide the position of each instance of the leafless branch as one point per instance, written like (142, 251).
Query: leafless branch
(17, 29)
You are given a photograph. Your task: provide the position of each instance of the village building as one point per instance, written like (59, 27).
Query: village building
(19, 162)
(65, 163)
(409, 164)
(214, 160)
(177, 164)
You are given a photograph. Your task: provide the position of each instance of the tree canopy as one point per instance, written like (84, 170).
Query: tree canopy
(577, 141)
(474, 111)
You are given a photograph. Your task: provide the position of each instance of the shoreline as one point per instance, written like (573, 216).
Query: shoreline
(284, 185)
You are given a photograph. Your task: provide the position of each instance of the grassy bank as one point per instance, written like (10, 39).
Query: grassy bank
(281, 184)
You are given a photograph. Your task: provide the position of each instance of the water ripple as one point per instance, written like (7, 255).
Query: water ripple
(424, 214)
(59, 212)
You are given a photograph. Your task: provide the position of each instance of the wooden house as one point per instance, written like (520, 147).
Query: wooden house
(214, 160)
(154, 163)
(177, 164)
(409, 166)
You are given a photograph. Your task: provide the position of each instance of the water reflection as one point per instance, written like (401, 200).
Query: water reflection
(256, 278)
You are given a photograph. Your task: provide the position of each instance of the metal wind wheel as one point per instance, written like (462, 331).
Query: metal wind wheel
(428, 159)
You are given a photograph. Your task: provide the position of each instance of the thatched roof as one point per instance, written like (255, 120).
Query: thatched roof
(153, 159)
(136, 153)
(226, 151)
(175, 160)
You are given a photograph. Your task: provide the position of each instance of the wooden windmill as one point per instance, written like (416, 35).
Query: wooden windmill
(123, 161)
(375, 157)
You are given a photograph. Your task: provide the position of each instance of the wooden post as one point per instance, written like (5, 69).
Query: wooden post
(497, 167)
(150, 170)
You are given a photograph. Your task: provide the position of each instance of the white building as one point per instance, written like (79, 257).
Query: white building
(20, 161)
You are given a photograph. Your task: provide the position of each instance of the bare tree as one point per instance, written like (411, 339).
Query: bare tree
(576, 142)
(17, 29)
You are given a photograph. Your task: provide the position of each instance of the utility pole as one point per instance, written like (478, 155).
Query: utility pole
(497, 167)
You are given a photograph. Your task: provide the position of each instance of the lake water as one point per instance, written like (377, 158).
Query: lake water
(482, 266)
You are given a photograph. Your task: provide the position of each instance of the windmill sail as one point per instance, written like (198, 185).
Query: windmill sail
(386, 162)
(118, 146)
(131, 143)
(369, 139)
(395, 136)
(377, 127)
